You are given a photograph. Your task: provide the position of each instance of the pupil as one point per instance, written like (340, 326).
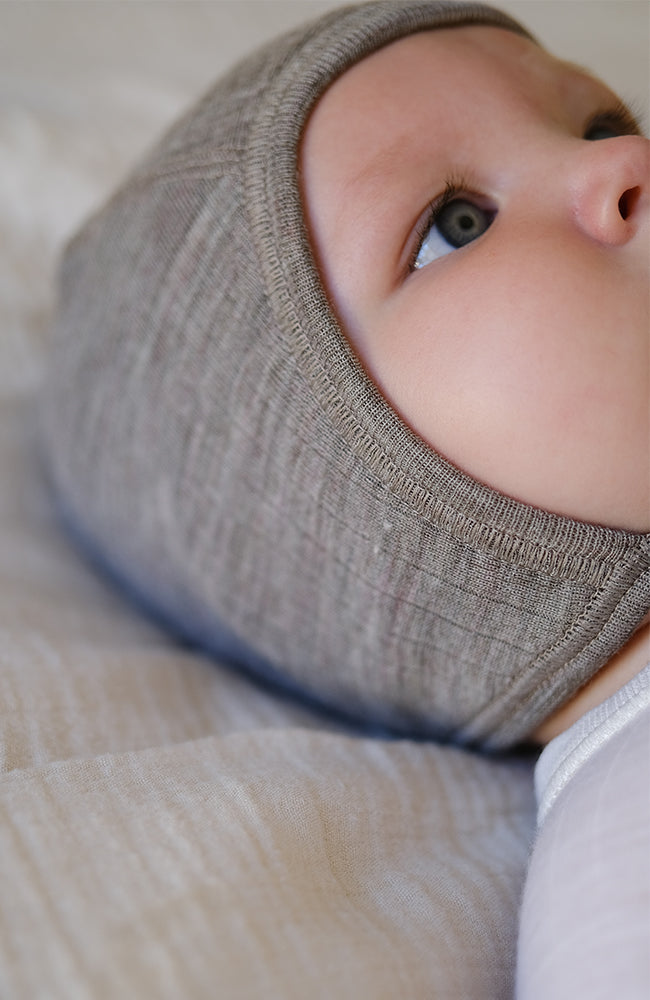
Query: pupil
(466, 222)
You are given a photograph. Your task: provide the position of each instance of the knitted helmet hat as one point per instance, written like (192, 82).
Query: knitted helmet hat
(213, 439)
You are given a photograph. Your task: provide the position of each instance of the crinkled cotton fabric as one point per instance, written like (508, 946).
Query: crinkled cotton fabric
(216, 444)
(585, 915)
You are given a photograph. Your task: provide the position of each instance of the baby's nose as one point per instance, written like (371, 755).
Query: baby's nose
(609, 185)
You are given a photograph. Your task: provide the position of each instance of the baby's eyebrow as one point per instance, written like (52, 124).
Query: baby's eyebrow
(574, 70)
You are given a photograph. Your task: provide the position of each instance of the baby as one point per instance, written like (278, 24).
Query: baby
(523, 358)
(351, 383)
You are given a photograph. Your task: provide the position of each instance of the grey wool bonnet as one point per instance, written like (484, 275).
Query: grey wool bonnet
(214, 441)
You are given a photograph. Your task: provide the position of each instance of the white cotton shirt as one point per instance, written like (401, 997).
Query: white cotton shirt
(585, 920)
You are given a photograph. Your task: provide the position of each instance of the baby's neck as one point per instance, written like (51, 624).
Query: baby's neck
(627, 663)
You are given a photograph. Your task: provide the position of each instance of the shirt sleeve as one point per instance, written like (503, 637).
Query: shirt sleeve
(585, 917)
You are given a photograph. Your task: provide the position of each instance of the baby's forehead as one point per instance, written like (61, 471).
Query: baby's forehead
(432, 62)
(453, 82)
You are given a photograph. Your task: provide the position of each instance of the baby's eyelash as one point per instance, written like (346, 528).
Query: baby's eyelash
(454, 187)
(618, 117)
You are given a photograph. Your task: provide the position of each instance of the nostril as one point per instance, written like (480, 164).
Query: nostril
(627, 201)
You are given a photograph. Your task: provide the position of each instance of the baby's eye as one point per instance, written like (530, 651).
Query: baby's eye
(604, 131)
(451, 225)
(611, 123)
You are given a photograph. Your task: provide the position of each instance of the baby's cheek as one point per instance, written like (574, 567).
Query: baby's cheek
(524, 382)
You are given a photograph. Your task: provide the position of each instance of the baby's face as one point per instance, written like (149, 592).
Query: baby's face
(480, 214)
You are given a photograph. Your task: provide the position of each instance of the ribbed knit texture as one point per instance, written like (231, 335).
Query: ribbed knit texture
(213, 439)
